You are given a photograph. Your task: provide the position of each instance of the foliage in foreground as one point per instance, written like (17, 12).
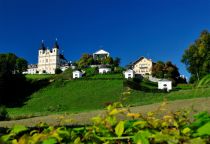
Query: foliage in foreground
(153, 127)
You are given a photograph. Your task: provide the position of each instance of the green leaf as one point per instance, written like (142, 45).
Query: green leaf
(186, 130)
(204, 130)
(77, 140)
(6, 138)
(50, 141)
(18, 128)
(119, 129)
(141, 138)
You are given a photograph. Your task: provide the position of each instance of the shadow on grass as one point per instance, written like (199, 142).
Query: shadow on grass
(16, 90)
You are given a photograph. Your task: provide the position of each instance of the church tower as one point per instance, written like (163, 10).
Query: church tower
(56, 54)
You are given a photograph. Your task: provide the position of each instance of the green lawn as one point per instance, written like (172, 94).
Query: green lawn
(38, 76)
(107, 76)
(71, 96)
(86, 95)
(143, 98)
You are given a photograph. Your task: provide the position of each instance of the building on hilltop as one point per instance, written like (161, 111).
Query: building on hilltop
(32, 69)
(143, 66)
(49, 60)
(100, 54)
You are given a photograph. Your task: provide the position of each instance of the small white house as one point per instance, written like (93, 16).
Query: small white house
(165, 84)
(77, 74)
(129, 74)
(104, 70)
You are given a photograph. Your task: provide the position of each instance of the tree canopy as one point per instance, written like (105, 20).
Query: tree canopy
(197, 57)
(87, 60)
(12, 81)
(166, 70)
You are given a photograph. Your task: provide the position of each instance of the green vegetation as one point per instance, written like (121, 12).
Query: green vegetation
(167, 70)
(71, 96)
(197, 56)
(108, 76)
(159, 126)
(204, 82)
(87, 95)
(38, 76)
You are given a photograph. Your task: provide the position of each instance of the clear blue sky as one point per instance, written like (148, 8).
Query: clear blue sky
(158, 29)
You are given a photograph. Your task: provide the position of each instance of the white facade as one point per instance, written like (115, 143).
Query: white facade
(32, 69)
(104, 70)
(143, 66)
(77, 74)
(49, 60)
(100, 54)
(65, 67)
(165, 84)
(129, 74)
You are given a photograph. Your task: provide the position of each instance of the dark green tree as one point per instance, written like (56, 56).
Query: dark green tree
(85, 61)
(166, 70)
(116, 61)
(197, 57)
(12, 82)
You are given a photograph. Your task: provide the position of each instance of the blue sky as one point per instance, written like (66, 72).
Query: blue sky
(158, 29)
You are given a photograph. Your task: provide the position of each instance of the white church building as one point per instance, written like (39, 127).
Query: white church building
(48, 60)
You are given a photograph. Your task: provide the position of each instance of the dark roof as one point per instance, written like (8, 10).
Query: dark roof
(140, 59)
(62, 57)
(32, 66)
(42, 47)
(56, 45)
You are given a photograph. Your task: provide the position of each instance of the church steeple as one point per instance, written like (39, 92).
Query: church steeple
(42, 47)
(56, 44)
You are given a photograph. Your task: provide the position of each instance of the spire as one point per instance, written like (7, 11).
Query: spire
(42, 47)
(56, 44)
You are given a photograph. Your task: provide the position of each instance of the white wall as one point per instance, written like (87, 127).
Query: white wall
(129, 74)
(104, 70)
(165, 84)
(77, 74)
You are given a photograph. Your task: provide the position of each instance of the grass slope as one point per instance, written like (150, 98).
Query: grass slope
(86, 95)
(71, 96)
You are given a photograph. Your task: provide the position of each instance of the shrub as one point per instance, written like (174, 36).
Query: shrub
(91, 71)
(58, 71)
(160, 126)
(3, 113)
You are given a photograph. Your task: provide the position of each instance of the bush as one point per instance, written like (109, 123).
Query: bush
(3, 113)
(157, 127)
(58, 71)
(91, 71)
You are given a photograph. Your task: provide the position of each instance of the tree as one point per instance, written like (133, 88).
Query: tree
(116, 62)
(107, 60)
(197, 57)
(85, 61)
(21, 65)
(58, 71)
(12, 82)
(166, 70)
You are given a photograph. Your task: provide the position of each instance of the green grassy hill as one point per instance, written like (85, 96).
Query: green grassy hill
(94, 93)
(71, 96)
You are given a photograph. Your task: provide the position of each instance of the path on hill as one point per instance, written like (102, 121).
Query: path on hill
(198, 104)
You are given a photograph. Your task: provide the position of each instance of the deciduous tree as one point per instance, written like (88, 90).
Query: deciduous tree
(197, 57)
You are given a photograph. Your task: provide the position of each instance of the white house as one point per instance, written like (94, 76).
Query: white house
(101, 54)
(165, 84)
(143, 66)
(77, 74)
(32, 69)
(104, 70)
(129, 73)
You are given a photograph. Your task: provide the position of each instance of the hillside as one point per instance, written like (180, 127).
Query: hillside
(94, 93)
(195, 105)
